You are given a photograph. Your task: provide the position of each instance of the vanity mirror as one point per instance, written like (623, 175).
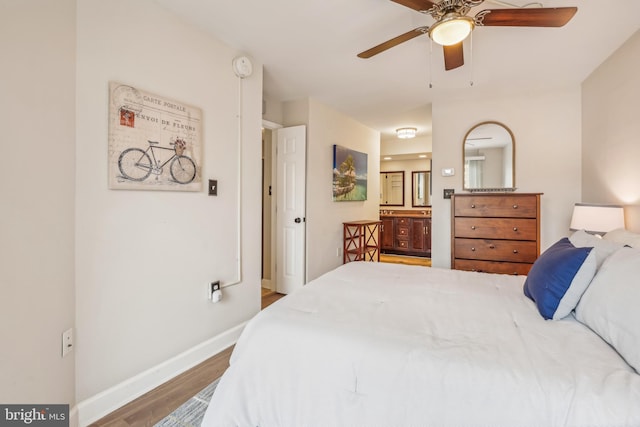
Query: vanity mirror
(392, 188)
(420, 188)
(488, 158)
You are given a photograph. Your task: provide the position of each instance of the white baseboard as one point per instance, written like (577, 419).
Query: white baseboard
(73, 416)
(107, 401)
(268, 284)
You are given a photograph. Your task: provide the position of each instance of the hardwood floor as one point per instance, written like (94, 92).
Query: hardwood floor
(270, 298)
(153, 406)
(402, 259)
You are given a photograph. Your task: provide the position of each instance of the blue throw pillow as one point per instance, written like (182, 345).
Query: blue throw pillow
(559, 277)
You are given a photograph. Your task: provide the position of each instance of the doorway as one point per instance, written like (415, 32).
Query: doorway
(268, 209)
(283, 208)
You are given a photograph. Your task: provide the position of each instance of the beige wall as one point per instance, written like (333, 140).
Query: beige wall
(326, 127)
(611, 132)
(37, 44)
(546, 127)
(144, 259)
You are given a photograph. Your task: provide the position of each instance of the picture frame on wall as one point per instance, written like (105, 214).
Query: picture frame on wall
(349, 174)
(155, 143)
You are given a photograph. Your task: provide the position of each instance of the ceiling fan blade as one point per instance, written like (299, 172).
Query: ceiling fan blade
(393, 42)
(530, 17)
(419, 5)
(453, 56)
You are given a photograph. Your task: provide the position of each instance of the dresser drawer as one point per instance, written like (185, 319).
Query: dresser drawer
(513, 206)
(515, 268)
(496, 250)
(402, 232)
(402, 244)
(403, 221)
(501, 228)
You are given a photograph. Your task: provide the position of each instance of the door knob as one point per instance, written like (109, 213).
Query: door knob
(298, 220)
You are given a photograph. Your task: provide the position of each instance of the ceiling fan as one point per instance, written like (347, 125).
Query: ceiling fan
(453, 25)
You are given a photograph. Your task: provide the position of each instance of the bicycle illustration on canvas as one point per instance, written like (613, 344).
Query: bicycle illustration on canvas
(154, 142)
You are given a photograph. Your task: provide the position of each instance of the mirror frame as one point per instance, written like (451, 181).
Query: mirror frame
(394, 204)
(513, 158)
(413, 189)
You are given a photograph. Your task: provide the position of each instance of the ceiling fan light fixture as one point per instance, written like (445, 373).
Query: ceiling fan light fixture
(406, 133)
(451, 29)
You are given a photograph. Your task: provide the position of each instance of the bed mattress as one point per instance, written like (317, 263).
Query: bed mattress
(375, 344)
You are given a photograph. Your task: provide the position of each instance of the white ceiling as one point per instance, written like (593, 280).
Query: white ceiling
(309, 48)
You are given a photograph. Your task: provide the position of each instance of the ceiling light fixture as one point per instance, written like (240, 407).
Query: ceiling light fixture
(451, 29)
(406, 133)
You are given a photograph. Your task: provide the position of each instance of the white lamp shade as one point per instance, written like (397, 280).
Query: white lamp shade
(597, 218)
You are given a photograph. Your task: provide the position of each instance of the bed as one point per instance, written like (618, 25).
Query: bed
(375, 344)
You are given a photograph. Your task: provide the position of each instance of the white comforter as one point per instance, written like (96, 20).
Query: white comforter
(373, 344)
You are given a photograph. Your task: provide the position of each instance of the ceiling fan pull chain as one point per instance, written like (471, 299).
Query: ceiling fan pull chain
(430, 67)
(471, 54)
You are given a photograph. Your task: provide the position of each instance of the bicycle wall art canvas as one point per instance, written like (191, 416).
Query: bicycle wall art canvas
(155, 143)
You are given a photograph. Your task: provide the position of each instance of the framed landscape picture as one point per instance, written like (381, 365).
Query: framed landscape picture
(349, 174)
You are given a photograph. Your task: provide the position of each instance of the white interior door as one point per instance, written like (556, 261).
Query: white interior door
(290, 208)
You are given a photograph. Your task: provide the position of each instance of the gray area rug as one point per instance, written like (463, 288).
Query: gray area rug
(191, 412)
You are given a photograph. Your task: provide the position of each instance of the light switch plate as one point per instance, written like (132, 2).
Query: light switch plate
(213, 187)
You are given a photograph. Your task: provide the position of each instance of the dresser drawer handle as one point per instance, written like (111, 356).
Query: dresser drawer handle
(515, 206)
(473, 249)
(515, 228)
(492, 247)
(473, 227)
(515, 251)
(473, 206)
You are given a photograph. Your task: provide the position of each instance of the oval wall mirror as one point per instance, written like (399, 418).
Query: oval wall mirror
(488, 158)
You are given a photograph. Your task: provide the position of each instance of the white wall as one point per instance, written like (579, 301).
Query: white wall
(144, 258)
(611, 132)
(547, 132)
(37, 46)
(326, 127)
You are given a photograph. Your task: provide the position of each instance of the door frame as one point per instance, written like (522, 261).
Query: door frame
(271, 283)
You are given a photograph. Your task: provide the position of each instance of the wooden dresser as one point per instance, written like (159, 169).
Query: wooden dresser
(495, 233)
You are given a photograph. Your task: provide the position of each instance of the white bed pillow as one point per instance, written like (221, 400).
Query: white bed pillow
(623, 236)
(603, 248)
(611, 304)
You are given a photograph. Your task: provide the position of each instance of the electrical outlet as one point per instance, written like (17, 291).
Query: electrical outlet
(213, 286)
(67, 342)
(215, 293)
